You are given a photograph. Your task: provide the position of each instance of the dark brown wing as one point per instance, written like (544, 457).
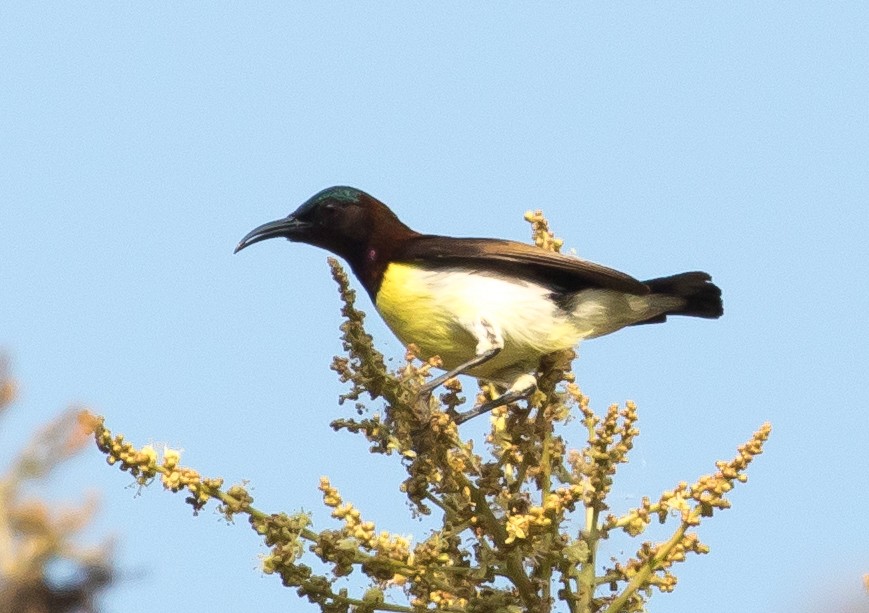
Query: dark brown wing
(562, 273)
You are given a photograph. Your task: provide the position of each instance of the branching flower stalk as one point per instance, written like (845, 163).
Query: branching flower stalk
(521, 522)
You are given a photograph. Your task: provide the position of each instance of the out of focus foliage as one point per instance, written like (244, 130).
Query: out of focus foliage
(43, 568)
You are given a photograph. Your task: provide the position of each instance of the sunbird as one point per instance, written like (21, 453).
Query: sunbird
(489, 308)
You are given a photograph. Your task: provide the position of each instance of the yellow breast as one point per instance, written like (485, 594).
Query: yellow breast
(438, 310)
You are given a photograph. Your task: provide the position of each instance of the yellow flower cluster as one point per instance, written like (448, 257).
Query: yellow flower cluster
(331, 497)
(443, 600)
(362, 532)
(656, 560)
(709, 490)
(542, 236)
(698, 500)
(564, 498)
(283, 534)
(635, 521)
(145, 463)
(142, 464)
(610, 439)
(520, 526)
(430, 586)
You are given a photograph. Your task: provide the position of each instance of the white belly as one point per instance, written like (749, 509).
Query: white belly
(440, 310)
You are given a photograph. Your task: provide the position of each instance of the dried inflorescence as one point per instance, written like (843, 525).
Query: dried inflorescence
(522, 513)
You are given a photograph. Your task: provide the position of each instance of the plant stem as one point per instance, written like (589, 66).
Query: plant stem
(647, 569)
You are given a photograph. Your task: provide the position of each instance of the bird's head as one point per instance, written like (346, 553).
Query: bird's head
(344, 220)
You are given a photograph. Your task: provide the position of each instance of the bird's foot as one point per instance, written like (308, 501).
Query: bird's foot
(522, 388)
(429, 387)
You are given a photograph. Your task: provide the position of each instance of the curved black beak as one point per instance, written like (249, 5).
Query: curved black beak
(289, 228)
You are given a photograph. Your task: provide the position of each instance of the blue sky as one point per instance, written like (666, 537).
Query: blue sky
(138, 143)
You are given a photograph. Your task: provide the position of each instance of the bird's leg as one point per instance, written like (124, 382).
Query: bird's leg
(429, 387)
(522, 388)
(489, 344)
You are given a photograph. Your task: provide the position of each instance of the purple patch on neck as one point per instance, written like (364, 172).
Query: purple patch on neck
(372, 255)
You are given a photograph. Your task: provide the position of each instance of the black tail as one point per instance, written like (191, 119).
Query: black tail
(702, 297)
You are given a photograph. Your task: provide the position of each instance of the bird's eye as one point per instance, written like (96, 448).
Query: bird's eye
(328, 212)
